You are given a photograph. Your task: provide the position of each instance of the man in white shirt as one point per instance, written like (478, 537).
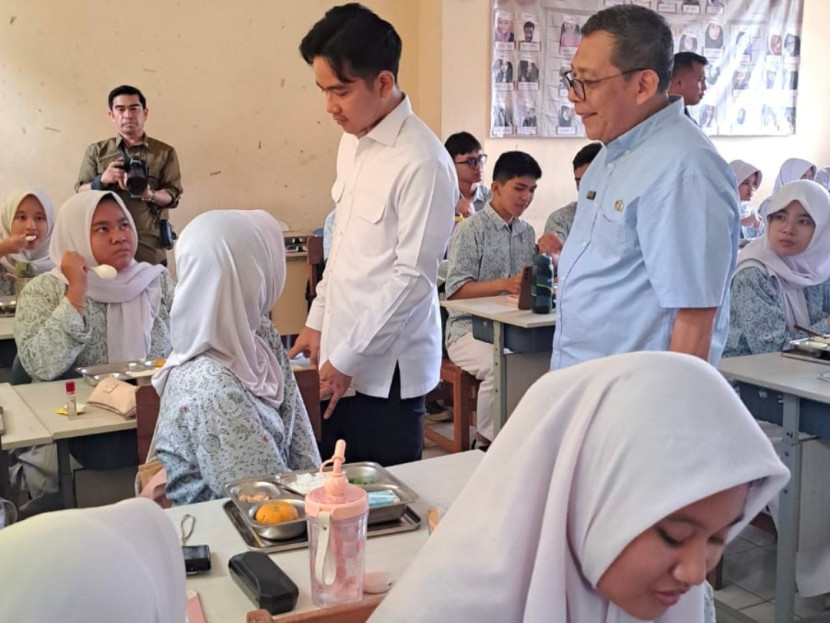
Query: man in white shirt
(375, 324)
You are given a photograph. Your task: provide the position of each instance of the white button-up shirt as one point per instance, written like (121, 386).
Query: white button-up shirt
(377, 305)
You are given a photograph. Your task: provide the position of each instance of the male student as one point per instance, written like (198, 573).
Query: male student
(560, 221)
(375, 324)
(486, 257)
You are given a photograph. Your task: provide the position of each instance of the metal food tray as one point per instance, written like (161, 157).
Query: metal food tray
(372, 477)
(119, 370)
(407, 522)
(809, 349)
(247, 509)
(8, 305)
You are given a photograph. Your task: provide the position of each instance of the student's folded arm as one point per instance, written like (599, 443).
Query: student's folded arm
(49, 331)
(756, 311)
(423, 201)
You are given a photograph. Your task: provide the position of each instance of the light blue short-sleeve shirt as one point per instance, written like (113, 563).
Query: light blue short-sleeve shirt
(656, 230)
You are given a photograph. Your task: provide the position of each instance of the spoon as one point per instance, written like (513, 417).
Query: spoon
(105, 271)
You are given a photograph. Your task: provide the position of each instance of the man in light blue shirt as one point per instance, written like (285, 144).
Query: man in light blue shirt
(647, 263)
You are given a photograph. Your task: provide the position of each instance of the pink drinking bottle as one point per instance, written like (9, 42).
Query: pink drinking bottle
(336, 515)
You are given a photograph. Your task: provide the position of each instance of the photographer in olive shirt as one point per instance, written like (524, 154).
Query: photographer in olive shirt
(104, 168)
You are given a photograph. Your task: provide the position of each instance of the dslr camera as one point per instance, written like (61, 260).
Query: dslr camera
(137, 173)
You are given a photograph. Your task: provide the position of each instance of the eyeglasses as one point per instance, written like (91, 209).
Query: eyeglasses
(473, 162)
(578, 86)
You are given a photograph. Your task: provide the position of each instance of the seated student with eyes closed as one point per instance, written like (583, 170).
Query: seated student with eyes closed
(25, 230)
(230, 406)
(782, 280)
(611, 491)
(72, 317)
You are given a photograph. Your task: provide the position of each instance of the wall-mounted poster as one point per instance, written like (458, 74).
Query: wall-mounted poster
(753, 49)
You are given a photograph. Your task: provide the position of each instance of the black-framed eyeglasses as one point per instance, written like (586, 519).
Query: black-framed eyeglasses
(473, 162)
(578, 86)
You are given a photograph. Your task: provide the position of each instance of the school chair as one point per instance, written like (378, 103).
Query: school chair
(464, 388)
(316, 263)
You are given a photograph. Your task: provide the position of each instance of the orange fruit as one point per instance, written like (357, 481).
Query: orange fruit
(276, 512)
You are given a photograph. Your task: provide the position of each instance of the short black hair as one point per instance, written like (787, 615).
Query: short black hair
(529, 25)
(461, 143)
(684, 61)
(586, 155)
(126, 89)
(355, 42)
(642, 39)
(515, 164)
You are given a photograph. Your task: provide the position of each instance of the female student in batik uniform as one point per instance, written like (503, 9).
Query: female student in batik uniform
(230, 406)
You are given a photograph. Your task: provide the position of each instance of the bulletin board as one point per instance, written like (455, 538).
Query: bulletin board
(753, 48)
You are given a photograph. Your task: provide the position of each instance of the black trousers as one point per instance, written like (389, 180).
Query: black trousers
(384, 430)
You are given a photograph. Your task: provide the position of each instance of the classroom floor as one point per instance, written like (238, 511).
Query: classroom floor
(749, 579)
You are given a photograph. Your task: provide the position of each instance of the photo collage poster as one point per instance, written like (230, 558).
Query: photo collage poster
(753, 48)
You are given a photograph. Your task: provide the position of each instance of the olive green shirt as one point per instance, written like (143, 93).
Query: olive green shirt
(164, 174)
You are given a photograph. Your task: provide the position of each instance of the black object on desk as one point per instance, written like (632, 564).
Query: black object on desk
(264, 582)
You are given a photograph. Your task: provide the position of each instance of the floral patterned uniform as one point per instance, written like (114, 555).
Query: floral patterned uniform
(757, 320)
(212, 430)
(52, 337)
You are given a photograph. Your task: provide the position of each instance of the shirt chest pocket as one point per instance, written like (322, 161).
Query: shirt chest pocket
(612, 223)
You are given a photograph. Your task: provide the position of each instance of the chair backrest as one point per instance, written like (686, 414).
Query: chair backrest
(316, 263)
(147, 403)
(18, 374)
(308, 382)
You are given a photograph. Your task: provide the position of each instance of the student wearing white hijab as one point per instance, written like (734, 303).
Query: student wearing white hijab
(25, 230)
(781, 280)
(230, 406)
(112, 563)
(610, 493)
(749, 179)
(793, 169)
(72, 317)
(823, 177)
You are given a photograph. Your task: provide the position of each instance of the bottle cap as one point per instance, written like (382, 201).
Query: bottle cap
(70, 387)
(337, 497)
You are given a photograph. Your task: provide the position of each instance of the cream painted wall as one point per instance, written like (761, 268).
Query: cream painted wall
(225, 85)
(465, 102)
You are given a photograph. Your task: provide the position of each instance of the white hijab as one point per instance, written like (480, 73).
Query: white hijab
(112, 563)
(742, 171)
(39, 256)
(231, 269)
(823, 177)
(792, 170)
(810, 267)
(593, 456)
(133, 297)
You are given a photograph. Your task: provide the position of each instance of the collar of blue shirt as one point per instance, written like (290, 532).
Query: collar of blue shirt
(640, 132)
(387, 130)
